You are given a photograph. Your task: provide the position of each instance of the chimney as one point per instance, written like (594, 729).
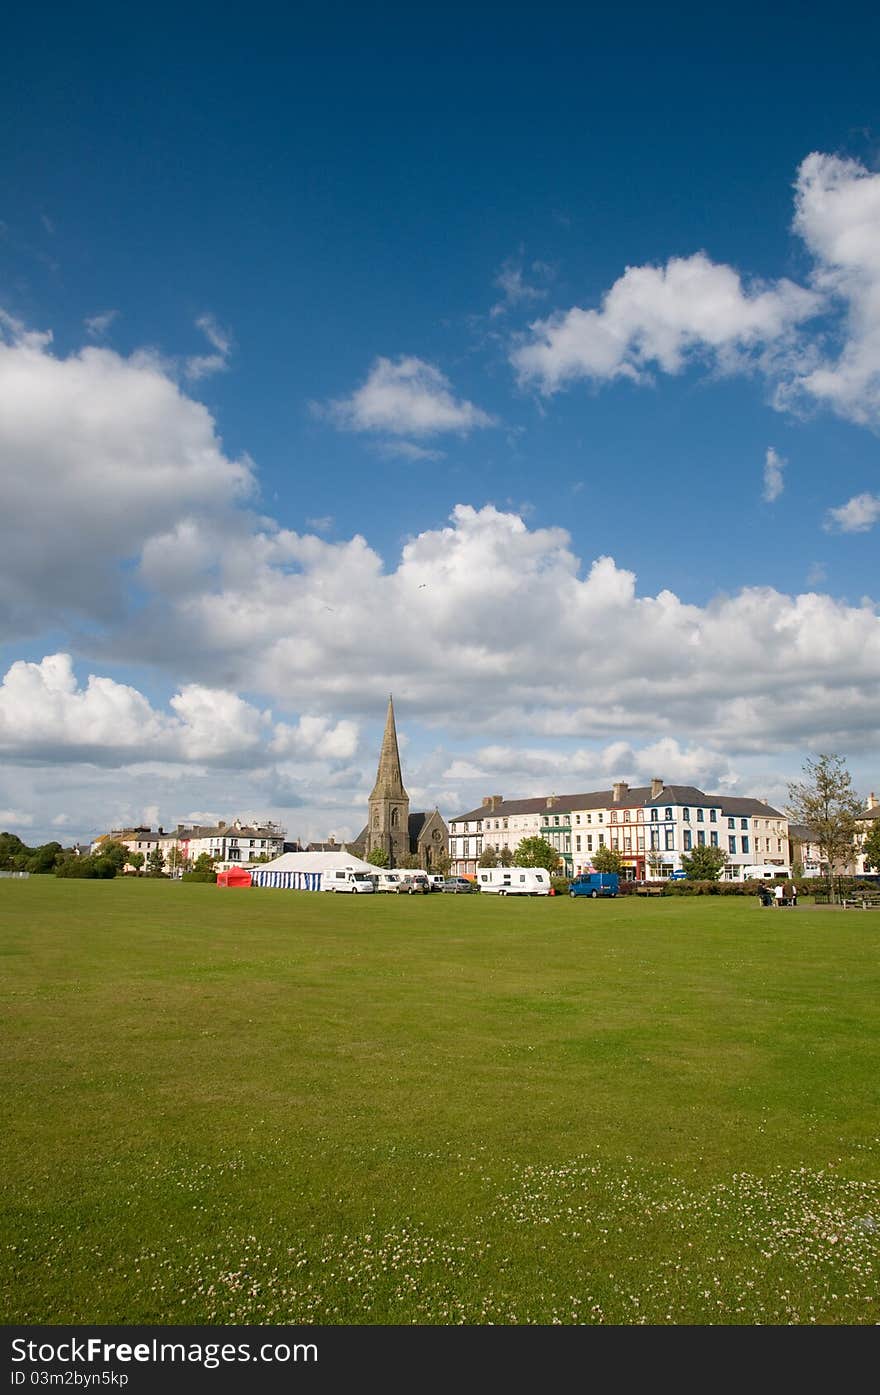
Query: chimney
(161, 831)
(551, 800)
(873, 800)
(491, 802)
(656, 787)
(619, 789)
(221, 823)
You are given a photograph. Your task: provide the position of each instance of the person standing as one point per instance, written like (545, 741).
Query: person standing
(778, 894)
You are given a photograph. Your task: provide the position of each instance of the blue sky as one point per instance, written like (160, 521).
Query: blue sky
(500, 293)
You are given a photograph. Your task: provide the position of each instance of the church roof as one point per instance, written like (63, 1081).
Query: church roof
(389, 780)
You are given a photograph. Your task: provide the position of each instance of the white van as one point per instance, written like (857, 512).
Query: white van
(514, 881)
(386, 881)
(347, 880)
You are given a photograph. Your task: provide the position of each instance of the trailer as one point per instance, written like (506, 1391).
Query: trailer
(513, 881)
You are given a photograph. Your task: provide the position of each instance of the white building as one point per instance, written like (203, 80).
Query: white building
(650, 826)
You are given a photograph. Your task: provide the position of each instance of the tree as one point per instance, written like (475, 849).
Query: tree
(655, 862)
(177, 860)
(704, 864)
(488, 857)
(11, 847)
(409, 862)
(536, 852)
(826, 803)
(136, 860)
(43, 858)
(442, 864)
(505, 858)
(155, 862)
(378, 857)
(871, 848)
(204, 863)
(115, 853)
(607, 860)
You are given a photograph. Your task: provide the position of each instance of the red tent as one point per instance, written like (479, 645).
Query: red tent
(236, 876)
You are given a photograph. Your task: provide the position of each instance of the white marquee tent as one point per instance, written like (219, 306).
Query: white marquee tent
(305, 871)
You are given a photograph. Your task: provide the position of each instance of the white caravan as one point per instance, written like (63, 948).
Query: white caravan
(514, 881)
(347, 880)
(386, 881)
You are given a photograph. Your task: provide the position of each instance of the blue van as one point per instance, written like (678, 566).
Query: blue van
(595, 884)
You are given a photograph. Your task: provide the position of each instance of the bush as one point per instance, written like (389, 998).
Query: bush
(201, 876)
(92, 868)
(560, 885)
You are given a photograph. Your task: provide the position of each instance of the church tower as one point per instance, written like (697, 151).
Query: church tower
(388, 822)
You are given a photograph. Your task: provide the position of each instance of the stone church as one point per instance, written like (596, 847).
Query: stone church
(390, 825)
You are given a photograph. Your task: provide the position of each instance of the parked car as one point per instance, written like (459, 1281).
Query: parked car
(457, 885)
(414, 883)
(435, 880)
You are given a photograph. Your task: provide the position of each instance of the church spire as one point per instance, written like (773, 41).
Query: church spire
(389, 780)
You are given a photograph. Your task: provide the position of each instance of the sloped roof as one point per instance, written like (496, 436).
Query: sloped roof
(317, 862)
(638, 795)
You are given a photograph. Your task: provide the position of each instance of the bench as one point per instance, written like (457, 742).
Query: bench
(861, 901)
(649, 891)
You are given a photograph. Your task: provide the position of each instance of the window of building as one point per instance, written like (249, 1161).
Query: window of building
(599, 818)
(745, 843)
(627, 844)
(743, 823)
(577, 818)
(601, 840)
(686, 814)
(687, 840)
(655, 839)
(655, 815)
(577, 842)
(667, 813)
(589, 842)
(713, 839)
(701, 839)
(699, 816)
(669, 840)
(615, 842)
(641, 842)
(731, 845)
(731, 823)
(713, 815)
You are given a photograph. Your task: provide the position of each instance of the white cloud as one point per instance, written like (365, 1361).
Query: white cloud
(406, 397)
(316, 738)
(46, 715)
(693, 309)
(511, 280)
(98, 453)
(501, 657)
(203, 365)
(838, 216)
(662, 316)
(97, 325)
(857, 515)
(408, 450)
(774, 471)
(10, 819)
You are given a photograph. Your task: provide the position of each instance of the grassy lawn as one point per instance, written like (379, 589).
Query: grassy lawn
(266, 1106)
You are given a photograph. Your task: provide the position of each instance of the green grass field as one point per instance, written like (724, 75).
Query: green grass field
(265, 1106)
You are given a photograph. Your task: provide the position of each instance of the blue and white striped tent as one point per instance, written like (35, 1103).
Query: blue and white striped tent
(305, 871)
(287, 881)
